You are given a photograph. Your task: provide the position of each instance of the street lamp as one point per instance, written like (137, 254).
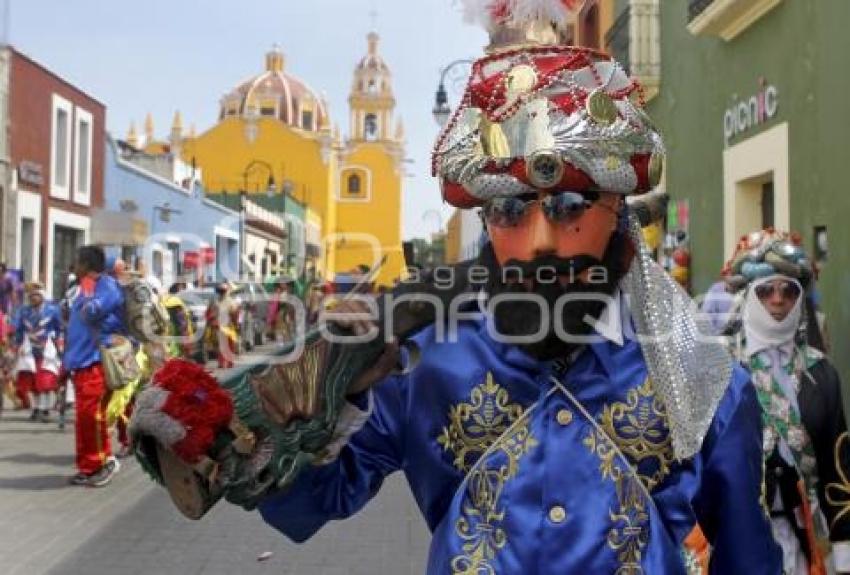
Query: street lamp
(442, 111)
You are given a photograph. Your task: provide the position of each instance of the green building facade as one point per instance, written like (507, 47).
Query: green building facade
(756, 129)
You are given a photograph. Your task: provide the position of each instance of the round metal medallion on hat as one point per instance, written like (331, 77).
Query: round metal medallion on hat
(656, 168)
(521, 80)
(545, 169)
(601, 107)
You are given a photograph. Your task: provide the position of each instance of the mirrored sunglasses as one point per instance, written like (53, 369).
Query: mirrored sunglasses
(788, 290)
(509, 211)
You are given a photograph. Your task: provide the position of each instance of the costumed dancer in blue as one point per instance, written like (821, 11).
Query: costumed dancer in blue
(38, 339)
(97, 319)
(540, 435)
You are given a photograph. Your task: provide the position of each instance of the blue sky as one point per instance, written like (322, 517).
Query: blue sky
(159, 56)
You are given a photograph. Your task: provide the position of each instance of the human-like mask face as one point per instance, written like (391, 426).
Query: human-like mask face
(779, 296)
(569, 236)
(564, 225)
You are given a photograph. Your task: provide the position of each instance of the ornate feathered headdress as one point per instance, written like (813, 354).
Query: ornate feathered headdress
(539, 115)
(766, 253)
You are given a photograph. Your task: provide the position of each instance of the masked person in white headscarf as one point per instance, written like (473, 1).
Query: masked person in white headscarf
(806, 445)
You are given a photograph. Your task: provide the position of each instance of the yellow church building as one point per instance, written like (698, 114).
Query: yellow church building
(274, 129)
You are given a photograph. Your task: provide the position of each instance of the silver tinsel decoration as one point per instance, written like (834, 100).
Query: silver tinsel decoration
(689, 368)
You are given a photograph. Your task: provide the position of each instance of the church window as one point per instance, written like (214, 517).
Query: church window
(354, 184)
(307, 119)
(373, 86)
(296, 106)
(371, 127)
(268, 108)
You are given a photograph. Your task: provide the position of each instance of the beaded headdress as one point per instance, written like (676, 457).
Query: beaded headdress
(766, 253)
(540, 115)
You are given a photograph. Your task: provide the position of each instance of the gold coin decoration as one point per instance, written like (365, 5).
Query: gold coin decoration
(656, 168)
(601, 107)
(493, 140)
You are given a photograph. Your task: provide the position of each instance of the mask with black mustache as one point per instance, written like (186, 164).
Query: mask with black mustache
(523, 318)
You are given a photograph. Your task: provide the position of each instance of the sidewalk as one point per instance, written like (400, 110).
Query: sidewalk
(131, 527)
(42, 517)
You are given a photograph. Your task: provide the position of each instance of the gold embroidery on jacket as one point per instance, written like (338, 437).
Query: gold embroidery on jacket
(638, 429)
(838, 494)
(473, 429)
(474, 426)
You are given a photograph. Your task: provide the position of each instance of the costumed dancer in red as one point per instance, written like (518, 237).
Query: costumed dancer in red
(97, 315)
(38, 327)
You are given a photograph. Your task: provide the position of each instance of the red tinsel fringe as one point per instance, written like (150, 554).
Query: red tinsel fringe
(196, 401)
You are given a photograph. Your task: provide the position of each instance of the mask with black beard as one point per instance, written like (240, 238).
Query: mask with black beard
(523, 318)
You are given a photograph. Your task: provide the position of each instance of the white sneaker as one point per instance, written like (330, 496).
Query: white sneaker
(104, 475)
(113, 461)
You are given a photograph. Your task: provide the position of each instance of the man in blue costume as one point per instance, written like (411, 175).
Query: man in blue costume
(581, 450)
(539, 433)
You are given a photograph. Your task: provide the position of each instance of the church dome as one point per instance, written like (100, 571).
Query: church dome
(373, 62)
(372, 76)
(276, 94)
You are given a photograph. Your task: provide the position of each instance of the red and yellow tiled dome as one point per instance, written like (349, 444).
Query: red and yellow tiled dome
(276, 94)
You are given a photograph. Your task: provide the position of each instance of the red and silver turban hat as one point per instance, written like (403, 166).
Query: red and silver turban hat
(538, 115)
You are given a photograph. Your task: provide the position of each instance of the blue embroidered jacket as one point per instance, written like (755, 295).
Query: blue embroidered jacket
(38, 324)
(93, 321)
(513, 467)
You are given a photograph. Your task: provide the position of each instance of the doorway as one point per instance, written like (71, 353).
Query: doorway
(756, 185)
(65, 243)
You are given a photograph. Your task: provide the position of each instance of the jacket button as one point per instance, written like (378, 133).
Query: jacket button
(564, 417)
(557, 514)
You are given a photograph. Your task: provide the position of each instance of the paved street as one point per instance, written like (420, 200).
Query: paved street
(131, 527)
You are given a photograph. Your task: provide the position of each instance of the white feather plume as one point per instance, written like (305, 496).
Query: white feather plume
(479, 12)
(518, 12)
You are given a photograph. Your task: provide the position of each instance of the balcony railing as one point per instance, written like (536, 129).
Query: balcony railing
(697, 7)
(635, 42)
(726, 18)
